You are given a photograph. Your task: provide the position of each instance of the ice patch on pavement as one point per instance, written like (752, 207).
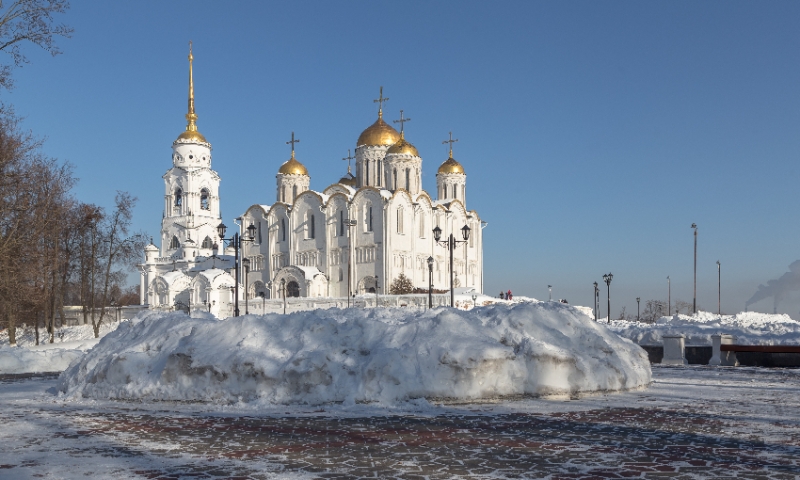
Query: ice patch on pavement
(359, 355)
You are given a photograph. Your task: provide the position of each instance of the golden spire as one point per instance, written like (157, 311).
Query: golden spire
(451, 142)
(191, 117)
(380, 100)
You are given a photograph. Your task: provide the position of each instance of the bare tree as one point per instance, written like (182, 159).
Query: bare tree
(29, 21)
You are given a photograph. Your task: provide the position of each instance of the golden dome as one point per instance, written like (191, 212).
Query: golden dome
(379, 133)
(192, 136)
(403, 147)
(293, 167)
(451, 166)
(348, 180)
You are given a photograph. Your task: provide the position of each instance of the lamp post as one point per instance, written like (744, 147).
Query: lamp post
(595, 296)
(607, 278)
(236, 240)
(694, 299)
(550, 295)
(474, 300)
(451, 244)
(350, 223)
(637, 308)
(669, 296)
(283, 289)
(246, 265)
(263, 303)
(719, 290)
(430, 282)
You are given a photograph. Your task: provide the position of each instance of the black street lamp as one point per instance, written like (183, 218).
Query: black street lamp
(607, 278)
(236, 240)
(669, 296)
(283, 289)
(637, 308)
(430, 282)
(596, 300)
(694, 300)
(474, 300)
(451, 244)
(350, 223)
(246, 265)
(550, 294)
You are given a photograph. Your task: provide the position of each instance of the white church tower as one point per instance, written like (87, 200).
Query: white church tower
(451, 180)
(293, 178)
(403, 164)
(191, 199)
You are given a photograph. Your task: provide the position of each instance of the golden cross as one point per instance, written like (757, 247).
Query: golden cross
(348, 158)
(402, 121)
(451, 142)
(293, 141)
(380, 101)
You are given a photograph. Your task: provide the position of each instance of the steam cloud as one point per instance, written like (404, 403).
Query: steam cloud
(777, 289)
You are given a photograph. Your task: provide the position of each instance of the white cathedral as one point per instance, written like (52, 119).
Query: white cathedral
(356, 236)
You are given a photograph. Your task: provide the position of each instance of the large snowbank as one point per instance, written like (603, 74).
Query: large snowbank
(750, 328)
(358, 355)
(27, 357)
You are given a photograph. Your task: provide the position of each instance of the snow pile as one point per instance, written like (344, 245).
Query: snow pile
(359, 355)
(27, 357)
(750, 328)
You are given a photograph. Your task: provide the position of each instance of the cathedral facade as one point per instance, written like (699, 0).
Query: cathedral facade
(356, 236)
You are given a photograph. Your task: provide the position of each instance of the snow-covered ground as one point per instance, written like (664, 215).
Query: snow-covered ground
(359, 355)
(70, 344)
(750, 328)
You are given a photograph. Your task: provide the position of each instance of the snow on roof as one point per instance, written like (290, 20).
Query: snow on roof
(385, 355)
(174, 276)
(213, 273)
(309, 272)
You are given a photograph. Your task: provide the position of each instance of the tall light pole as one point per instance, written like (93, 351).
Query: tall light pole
(350, 223)
(637, 308)
(246, 265)
(669, 297)
(430, 282)
(236, 241)
(451, 244)
(719, 290)
(596, 297)
(607, 278)
(550, 290)
(694, 300)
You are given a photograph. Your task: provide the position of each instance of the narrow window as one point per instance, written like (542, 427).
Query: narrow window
(283, 229)
(283, 194)
(454, 192)
(394, 179)
(408, 179)
(174, 243)
(341, 223)
(310, 225)
(204, 199)
(366, 177)
(207, 243)
(259, 232)
(294, 193)
(369, 220)
(178, 197)
(380, 173)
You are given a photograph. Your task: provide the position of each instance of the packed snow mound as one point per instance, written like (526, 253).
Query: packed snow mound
(359, 355)
(750, 328)
(18, 360)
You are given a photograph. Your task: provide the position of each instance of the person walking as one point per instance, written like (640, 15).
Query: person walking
(508, 295)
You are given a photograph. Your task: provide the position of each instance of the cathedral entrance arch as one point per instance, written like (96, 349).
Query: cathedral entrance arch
(367, 284)
(292, 289)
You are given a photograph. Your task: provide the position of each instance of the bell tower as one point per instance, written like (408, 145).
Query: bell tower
(191, 199)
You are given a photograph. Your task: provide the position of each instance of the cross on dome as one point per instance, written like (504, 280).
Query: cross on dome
(348, 158)
(451, 142)
(401, 122)
(380, 101)
(292, 141)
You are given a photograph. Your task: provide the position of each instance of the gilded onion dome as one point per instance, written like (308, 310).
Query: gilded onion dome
(403, 147)
(293, 167)
(379, 133)
(451, 166)
(348, 180)
(191, 134)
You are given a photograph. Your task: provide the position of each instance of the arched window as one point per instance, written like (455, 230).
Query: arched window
(400, 220)
(341, 223)
(408, 179)
(394, 179)
(368, 218)
(204, 199)
(259, 232)
(283, 229)
(366, 177)
(292, 289)
(455, 195)
(294, 193)
(207, 243)
(174, 243)
(380, 173)
(178, 197)
(310, 225)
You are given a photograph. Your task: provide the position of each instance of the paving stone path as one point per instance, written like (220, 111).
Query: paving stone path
(659, 435)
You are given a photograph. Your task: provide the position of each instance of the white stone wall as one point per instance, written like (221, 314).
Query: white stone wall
(451, 186)
(291, 186)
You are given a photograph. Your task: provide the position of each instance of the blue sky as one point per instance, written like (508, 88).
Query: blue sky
(593, 133)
